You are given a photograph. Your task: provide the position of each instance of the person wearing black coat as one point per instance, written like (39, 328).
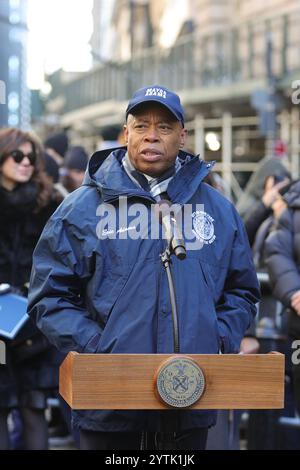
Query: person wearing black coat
(282, 256)
(263, 208)
(26, 203)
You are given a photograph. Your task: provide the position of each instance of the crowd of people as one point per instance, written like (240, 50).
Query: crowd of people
(35, 179)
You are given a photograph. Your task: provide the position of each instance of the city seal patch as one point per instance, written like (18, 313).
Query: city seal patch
(180, 382)
(203, 227)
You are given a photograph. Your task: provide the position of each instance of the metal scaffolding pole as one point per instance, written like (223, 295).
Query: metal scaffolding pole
(295, 142)
(227, 147)
(285, 120)
(199, 136)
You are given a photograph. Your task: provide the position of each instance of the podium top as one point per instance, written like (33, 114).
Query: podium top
(127, 381)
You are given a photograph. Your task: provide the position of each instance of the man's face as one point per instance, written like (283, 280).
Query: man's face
(154, 138)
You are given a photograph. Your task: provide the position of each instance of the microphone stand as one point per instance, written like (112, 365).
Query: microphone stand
(170, 417)
(166, 261)
(165, 440)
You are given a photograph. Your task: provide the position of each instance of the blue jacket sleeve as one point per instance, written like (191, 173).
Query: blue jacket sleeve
(56, 303)
(236, 308)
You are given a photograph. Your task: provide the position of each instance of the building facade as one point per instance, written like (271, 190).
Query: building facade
(233, 62)
(13, 64)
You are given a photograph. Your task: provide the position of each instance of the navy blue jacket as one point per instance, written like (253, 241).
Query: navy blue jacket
(110, 295)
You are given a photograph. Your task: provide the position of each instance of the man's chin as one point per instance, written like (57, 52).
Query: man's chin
(154, 169)
(152, 172)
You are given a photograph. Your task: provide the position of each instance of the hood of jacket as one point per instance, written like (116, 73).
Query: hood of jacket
(292, 197)
(105, 172)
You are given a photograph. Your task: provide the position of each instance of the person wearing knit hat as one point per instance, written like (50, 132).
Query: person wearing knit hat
(53, 174)
(51, 168)
(76, 160)
(56, 145)
(111, 137)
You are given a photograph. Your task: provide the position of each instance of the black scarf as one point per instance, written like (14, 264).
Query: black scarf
(19, 202)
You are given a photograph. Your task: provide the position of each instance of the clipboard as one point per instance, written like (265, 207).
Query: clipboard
(13, 314)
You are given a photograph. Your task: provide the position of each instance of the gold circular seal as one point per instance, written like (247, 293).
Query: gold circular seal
(180, 382)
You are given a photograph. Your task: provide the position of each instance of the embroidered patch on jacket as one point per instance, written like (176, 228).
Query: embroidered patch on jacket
(203, 227)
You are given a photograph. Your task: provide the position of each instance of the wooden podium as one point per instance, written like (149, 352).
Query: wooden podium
(128, 381)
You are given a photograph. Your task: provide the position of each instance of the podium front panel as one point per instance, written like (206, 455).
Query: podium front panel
(127, 381)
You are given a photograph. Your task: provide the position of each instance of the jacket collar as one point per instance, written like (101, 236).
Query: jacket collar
(105, 172)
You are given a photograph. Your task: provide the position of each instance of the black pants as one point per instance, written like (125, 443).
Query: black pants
(193, 439)
(296, 381)
(35, 429)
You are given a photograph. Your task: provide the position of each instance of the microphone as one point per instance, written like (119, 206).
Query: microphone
(172, 231)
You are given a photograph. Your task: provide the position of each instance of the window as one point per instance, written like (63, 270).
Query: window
(13, 101)
(14, 67)
(13, 119)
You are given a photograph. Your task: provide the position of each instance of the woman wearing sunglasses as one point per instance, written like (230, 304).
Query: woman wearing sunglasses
(26, 202)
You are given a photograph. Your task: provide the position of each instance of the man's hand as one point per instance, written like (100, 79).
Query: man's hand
(278, 207)
(249, 345)
(295, 302)
(270, 196)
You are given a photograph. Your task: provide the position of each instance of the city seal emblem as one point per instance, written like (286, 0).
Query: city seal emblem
(203, 227)
(180, 382)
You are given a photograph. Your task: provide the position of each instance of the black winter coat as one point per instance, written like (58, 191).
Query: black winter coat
(282, 256)
(255, 218)
(20, 229)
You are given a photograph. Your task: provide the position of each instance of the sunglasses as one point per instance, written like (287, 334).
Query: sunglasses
(19, 156)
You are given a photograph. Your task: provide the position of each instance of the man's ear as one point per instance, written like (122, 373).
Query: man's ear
(125, 133)
(183, 137)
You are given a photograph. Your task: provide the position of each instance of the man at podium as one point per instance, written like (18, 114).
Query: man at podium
(98, 284)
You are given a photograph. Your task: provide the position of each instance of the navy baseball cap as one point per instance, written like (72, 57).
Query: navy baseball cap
(158, 94)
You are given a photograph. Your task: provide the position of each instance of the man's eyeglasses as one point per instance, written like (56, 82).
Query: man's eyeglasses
(19, 156)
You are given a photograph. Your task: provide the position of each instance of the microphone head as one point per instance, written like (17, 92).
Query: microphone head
(180, 252)
(164, 202)
(162, 209)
